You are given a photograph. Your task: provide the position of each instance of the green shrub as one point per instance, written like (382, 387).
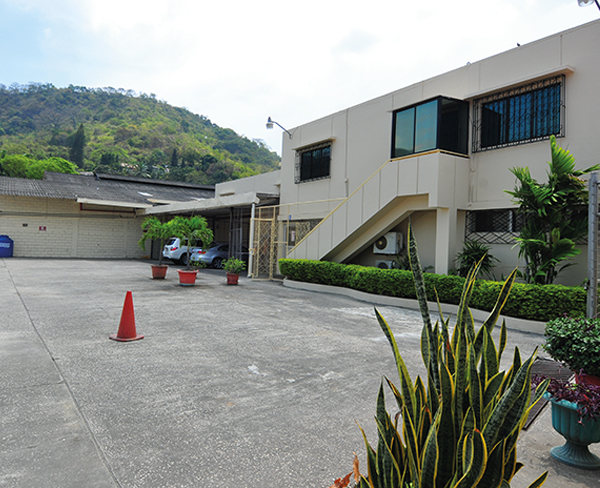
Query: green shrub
(474, 252)
(234, 265)
(533, 302)
(575, 342)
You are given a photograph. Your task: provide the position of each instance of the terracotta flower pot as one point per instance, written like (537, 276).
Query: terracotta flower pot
(159, 271)
(588, 379)
(579, 436)
(187, 277)
(232, 278)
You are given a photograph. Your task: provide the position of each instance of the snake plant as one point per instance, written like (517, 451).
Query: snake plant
(459, 427)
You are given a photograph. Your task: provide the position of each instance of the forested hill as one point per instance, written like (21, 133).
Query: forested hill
(118, 131)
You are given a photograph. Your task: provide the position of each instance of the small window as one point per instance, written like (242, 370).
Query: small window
(437, 124)
(313, 163)
(525, 114)
(494, 226)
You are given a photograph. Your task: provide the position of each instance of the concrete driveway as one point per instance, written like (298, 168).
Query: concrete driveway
(247, 386)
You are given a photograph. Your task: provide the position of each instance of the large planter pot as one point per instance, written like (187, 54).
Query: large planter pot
(232, 278)
(187, 277)
(159, 271)
(579, 436)
(588, 379)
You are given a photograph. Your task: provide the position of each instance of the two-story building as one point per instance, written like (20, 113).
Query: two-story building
(440, 152)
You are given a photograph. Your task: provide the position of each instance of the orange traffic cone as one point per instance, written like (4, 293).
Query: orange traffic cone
(127, 325)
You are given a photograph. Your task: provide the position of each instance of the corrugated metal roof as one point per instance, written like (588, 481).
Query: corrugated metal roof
(105, 188)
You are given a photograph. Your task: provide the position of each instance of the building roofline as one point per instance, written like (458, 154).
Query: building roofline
(150, 181)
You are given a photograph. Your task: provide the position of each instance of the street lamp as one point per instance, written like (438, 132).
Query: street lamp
(587, 3)
(270, 123)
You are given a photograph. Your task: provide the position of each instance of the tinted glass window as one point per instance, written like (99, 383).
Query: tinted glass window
(438, 124)
(405, 133)
(454, 126)
(314, 163)
(426, 126)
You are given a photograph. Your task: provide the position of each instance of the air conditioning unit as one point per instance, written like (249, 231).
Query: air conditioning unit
(390, 243)
(385, 264)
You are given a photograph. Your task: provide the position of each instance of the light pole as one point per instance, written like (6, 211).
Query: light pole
(587, 3)
(270, 123)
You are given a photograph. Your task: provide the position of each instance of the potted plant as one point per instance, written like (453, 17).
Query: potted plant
(192, 230)
(154, 229)
(575, 416)
(233, 267)
(576, 343)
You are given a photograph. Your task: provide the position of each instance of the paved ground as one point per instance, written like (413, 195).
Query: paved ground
(247, 386)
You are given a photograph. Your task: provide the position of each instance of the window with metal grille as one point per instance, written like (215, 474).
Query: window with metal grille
(313, 163)
(525, 114)
(494, 226)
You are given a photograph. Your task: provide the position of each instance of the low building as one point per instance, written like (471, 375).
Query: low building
(85, 216)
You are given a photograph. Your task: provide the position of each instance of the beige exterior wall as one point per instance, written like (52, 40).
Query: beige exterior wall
(361, 139)
(264, 183)
(46, 227)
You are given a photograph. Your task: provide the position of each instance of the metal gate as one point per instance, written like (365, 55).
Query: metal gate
(265, 242)
(276, 230)
(235, 233)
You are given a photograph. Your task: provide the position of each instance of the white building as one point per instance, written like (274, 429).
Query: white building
(439, 152)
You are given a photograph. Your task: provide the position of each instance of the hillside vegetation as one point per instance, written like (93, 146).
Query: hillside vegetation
(118, 131)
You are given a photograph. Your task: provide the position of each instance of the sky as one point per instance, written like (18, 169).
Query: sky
(238, 62)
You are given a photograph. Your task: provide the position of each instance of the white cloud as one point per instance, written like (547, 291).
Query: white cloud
(238, 62)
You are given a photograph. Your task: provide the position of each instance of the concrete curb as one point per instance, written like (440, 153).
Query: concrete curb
(522, 325)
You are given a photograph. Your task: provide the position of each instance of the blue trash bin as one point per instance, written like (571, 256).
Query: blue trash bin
(6, 247)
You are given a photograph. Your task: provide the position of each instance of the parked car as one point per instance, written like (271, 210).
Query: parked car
(174, 251)
(215, 254)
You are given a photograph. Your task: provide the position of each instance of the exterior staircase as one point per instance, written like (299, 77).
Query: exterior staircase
(432, 180)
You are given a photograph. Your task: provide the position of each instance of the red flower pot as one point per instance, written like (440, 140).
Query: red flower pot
(187, 277)
(232, 278)
(159, 271)
(588, 378)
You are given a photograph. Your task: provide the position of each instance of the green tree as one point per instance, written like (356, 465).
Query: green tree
(109, 161)
(16, 165)
(174, 159)
(78, 146)
(36, 169)
(154, 229)
(555, 215)
(191, 231)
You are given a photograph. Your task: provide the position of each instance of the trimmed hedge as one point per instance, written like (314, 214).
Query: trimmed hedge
(533, 302)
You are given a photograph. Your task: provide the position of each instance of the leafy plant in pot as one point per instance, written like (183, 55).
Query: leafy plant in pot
(194, 230)
(576, 343)
(576, 404)
(155, 230)
(576, 416)
(233, 267)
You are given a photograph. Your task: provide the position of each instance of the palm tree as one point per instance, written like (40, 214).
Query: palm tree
(555, 215)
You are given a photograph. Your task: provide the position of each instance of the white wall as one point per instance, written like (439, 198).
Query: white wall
(53, 228)
(263, 183)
